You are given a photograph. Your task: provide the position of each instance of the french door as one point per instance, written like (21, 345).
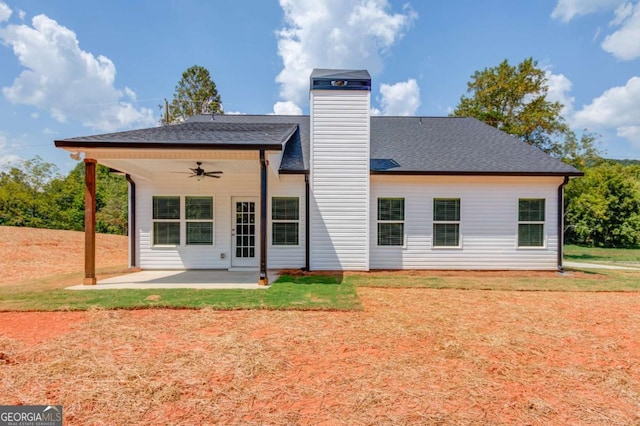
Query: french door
(244, 232)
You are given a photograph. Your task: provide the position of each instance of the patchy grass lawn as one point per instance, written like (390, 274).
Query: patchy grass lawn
(321, 293)
(602, 255)
(609, 280)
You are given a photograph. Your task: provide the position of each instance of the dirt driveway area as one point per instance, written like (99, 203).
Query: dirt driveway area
(414, 356)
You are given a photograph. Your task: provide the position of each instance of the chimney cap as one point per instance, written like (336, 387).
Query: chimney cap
(328, 79)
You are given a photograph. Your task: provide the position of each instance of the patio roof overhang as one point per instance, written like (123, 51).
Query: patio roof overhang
(202, 136)
(186, 140)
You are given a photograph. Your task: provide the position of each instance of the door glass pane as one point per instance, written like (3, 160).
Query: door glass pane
(245, 233)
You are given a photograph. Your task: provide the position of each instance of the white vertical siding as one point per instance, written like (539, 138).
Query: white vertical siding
(339, 214)
(222, 190)
(488, 222)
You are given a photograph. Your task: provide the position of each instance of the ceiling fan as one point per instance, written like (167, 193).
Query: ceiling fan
(199, 173)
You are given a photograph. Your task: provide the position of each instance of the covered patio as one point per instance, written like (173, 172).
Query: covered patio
(191, 278)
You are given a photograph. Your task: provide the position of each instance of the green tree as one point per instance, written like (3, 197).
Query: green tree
(514, 100)
(24, 196)
(34, 194)
(603, 207)
(195, 93)
(111, 201)
(579, 153)
(112, 211)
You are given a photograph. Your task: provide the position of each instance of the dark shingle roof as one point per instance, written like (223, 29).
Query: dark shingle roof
(211, 134)
(454, 145)
(399, 145)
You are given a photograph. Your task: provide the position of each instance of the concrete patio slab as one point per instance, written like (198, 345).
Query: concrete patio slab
(192, 278)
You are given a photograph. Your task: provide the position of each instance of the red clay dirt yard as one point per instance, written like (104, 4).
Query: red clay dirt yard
(413, 356)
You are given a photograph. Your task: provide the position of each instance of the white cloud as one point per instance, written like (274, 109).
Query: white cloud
(559, 91)
(618, 107)
(70, 83)
(5, 12)
(566, 10)
(402, 98)
(621, 14)
(353, 34)
(624, 43)
(286, 108)
(21, 14)
(6, 157)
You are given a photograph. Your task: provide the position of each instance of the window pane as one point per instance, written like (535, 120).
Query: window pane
(199, 208)
(166, 233)
(531, 235)
(390, 234)
(284, 208)
(446, 235)
(531, 210)
(199, 233)
(446, 209)
(285, 234)
(391, 209)
(166, 207)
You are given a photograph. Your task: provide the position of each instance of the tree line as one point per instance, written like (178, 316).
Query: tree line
(33, 193)
(602, 208)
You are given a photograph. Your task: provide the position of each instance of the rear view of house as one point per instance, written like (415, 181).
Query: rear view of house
(335, 190)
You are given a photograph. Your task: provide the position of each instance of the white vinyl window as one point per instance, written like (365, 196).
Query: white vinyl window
(169, 220)
(446, 222)
(166, 220)
(390, 221)
(531, 222)
(285, 221)
(199, 219)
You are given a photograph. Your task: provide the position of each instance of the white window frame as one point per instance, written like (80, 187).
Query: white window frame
(154, 221)
(532, 222)
(182, 221)
(446, 222)
(381, 221)
(212, 221)
(274, 221)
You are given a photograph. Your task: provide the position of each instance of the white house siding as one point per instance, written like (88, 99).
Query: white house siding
(339, 216)
(488, 222)
(280, 257)
(222, 190)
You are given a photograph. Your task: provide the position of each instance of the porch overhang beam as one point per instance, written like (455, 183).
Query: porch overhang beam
(263, 278)
(89, 222)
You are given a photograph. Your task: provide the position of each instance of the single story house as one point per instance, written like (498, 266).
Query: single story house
(338, 189)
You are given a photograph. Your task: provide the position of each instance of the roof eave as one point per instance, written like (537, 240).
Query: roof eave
(471, 173)
(170, 146)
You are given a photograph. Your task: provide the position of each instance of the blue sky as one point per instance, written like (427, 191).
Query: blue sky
(71, 68)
